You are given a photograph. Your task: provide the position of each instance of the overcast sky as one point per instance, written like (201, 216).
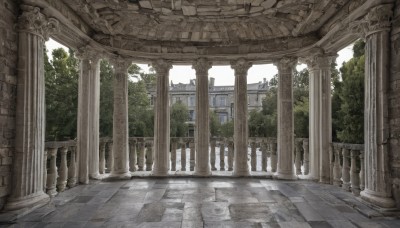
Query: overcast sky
(223, 75)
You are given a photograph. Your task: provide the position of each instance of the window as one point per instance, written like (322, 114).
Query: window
(222, 101)
(222, 118)
(191, 101)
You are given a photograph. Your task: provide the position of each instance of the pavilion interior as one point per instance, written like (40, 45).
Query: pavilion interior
(329, 185)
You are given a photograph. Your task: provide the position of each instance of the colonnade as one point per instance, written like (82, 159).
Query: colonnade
(28, 167)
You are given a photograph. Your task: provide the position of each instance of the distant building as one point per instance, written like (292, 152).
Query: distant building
(221, 97)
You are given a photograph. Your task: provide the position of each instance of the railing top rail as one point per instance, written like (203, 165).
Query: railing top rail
(60, 144)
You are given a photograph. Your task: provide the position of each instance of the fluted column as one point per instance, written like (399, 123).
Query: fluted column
(320, 115)
(161, 119)
(376, 29)
(28, 166)
(120, 120)
(241, 167)
(88, 115)
(285, 118)
(202, 139)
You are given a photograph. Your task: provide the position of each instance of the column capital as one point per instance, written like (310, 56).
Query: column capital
(285, 63)
(241, 66)
(120, 64)
(88, 53)
(33, 21)
(201, 66)
(161, 66)
(319, 61)
(378, 19)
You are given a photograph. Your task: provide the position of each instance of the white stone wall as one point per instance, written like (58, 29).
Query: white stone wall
(394, 105)
(8, 87)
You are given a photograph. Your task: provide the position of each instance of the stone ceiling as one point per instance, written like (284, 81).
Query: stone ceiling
(229, 22)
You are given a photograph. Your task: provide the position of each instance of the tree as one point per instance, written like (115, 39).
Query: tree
(106, 99)
(227, 129)
(215, 125)
(61, 84)
(179, 117)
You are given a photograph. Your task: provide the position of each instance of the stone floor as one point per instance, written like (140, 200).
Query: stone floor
(205, 202)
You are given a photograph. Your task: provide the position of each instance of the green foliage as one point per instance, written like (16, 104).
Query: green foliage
(227, 129)
(214, 124)
(106, 99)
(179, 117)
(61, 82)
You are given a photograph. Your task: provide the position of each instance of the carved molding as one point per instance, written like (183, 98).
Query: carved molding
(202, 66)
(378, 19)
(33, 21)
(319, 61)
(286, 63)
(120, 64)
(88, 53)
(161, 66)
(241, 66)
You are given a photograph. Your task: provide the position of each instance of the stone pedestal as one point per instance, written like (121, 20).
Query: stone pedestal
(202, 137)
(120, 120)
(285, 138)
(88, 115)
(376, 28)
(320, 115)
(241, 131)
(28, 165)
(161, 119)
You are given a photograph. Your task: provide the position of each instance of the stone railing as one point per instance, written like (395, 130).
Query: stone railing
(347, 166)
(61, 165)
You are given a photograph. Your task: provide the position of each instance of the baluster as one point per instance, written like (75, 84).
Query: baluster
(345, 170)
(355, 174)
(331, 163)
(141, 156)
(221, 156)
(192, 155)
(63, 173)
(52, 174)
(306, 157)
(45, 170)
(299, 145)
(362, 175)
(173, 154)
(231, 154)
(336, 168)
(72, 168)
(102, 158)
(132, 156)
(274, 158)
(213, 144)
(264, 157)
(183, 155)
(253, 156)
(149, 156)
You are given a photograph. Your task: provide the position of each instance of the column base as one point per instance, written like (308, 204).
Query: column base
(241, 173)
(380, 201)
(284, 176)
(27, 203)
(119, 176)
(95, 176)
(202, 173)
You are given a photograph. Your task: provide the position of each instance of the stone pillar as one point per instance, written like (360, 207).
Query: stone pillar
(222, 155)
(102, 158)
(110, 157)
(173, 154)
(120, 120)
(362, 171)
(183, 155)
(346, 169)
(161, 119)
(264, 156)
(141, 146)
(274, 161)
(63, 173)
(336, 168)
(320, 115)
(306, 156)
(285, 138)
(376, 29)
(192, 155)
(355, 173)
(88, 115)
(202, 138)
(72, 169)
(149, 156)
(27, 174)
(231, 154)
(241, 131)
(299, 145)
(132, 156)
(52, 174)
(212, 156)
(253, 146)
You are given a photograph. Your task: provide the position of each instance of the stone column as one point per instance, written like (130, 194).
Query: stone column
(63, 172)
(28, 166)
(161, 119)
(241, 131)
(202, 138)
(88, 115)
(72, 169)
(132, 156)
(320, 115)
(285, 138)
(52, 175)
(376, 29)
(120, 120)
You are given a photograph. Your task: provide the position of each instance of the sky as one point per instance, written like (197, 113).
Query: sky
(223, 75)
